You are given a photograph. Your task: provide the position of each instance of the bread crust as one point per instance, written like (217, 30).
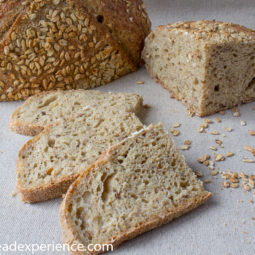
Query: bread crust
(70, 237)
(90, 61)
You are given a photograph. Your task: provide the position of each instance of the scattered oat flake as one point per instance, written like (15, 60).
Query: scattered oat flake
(250, 149)
(219, 157)
(214, 133)
(214, 172)
(251, 201)
(234, 185)
(176, 125)
(252, 132)
(243, 123)
(207, 181)
(218, 120)
(204, 158)
(246, 187)
(175, 132)
(226, 184)
(206, 163)
(14, 193)
(229, 154)
(221, 112)
(185, 147)
(236, 114)
(248, 160)
(204, 125)
(223, 135)
(140, 82)
(214, 148)
(208, 121)
(228, 129)
(187, 142)
(219, 142)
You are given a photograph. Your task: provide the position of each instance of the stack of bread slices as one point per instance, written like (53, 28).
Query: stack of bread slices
(121, 177)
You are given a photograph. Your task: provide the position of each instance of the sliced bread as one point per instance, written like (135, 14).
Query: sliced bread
(46, 108)
(133, 187)
(208, 65)
(52, 160)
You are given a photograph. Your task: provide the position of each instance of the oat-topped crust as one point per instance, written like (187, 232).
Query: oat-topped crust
(57, 44)
(213, 30)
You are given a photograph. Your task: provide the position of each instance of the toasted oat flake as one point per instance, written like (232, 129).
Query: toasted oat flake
(214, 148)
(219, 142)
(214, 132)
(208, 121)
(236, 114)
(207, 181)
(243, 123)
(218, 120)
(185, 147)
(219, 157)
(248, 160)
(187, 142)
(229, 154)
(140, 82)
(228, 129)
(234, 185)
(175, 132)
(204, 158)
(226, 184)
(221, 112)
(214, 172)
(249, 148)
(176, 125)
(252, 132)
(246, 187)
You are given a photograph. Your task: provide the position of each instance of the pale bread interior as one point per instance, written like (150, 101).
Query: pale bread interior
(141, 180)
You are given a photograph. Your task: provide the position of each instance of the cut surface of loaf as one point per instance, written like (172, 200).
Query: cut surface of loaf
(133, 187)
(208, 65)
(68, 44)
(47, 108)
(52, 160)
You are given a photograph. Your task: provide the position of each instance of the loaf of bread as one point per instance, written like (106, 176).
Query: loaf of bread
(133, 187)
(52, 160)
(208, 65)
(68, 44)
(46, 108)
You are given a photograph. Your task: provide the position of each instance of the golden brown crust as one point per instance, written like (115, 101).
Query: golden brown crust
(70, 237)
(44, 49)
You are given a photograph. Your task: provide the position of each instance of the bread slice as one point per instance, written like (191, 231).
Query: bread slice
(208, 65)
(52, 160)
(68, 44)
(46, 108)
(133, 187)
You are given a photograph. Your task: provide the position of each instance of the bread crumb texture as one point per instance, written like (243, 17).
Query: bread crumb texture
(137, 185)
(208, 65)
(52, 160)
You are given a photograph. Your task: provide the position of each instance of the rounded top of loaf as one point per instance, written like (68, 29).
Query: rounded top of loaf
(211, 30)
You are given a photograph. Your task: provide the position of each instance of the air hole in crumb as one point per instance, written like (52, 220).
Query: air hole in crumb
(217, 88)
(100, 18)
(251, 83)
(51, 142)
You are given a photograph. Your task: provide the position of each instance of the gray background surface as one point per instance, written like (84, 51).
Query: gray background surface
(222, 226)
